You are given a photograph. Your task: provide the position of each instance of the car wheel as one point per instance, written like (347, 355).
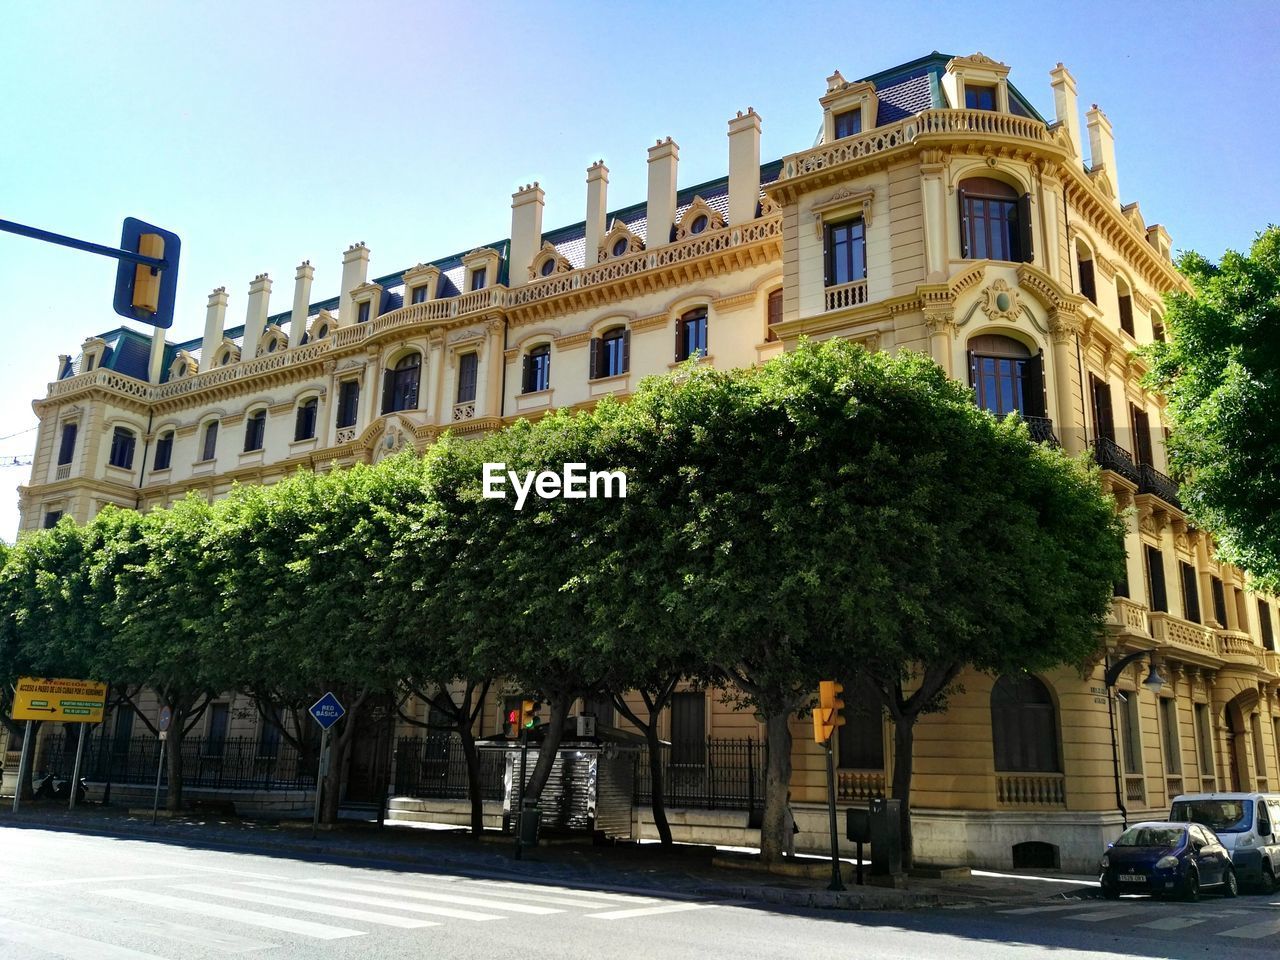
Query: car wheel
(1230, 887)
(1191, 887)
(1110, 890)
(1268, 877)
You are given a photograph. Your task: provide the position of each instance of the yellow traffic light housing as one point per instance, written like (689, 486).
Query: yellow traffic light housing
(829, 713)
(146, 280)
(529, 710)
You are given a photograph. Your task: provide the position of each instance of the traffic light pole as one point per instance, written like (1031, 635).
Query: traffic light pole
(836, 882)
(35, 233)
(524, 760)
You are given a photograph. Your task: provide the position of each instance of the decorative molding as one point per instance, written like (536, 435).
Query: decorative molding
(845, 198)
(653, 320)
(698, 208)
(619, 231)
(573, 339)
(735, 300)
(549, 252)
(1000, 302)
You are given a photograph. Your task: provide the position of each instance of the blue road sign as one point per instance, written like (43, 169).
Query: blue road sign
(327, 711)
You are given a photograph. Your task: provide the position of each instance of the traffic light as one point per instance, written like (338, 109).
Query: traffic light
(511, 728)
(829, 713)
(529, 710)
(146, 293)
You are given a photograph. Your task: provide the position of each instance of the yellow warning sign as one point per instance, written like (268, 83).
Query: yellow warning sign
(66, 701)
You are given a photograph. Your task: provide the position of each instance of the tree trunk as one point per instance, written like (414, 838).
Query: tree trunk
(777, 784)
(904, 733)
(550, 746)
(472, 756)
(173, 760)
(657, 787)
(339, 747)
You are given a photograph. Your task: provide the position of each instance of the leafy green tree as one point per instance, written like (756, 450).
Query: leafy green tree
(1220, 369)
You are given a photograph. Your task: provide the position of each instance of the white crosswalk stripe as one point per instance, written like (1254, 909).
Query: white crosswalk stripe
(1052, 908)
(1111, 913)
(1254, 931)
(309, 906)
(61, 943)
(1173, 923)
(650, 911)
(417, 894)
(385, 902)
(573, 892)
(304, 928)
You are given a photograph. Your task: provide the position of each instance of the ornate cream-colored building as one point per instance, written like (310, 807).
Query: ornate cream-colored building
(938, 212)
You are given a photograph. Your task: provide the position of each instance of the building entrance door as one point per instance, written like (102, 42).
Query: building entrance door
(369, 759)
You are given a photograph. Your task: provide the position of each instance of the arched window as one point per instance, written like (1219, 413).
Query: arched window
(691, 334)
(123, 442)
(1006, 376)
(611, 353)
(548, 267)
(400, 384)
(255, 431)
(620, 246)
(210, 448)
(304, 427)
(537, 369)
(995, 223)
(1084, 268)
(1024, 726)
(164, 451)
(773, 313)
(1125, 297)
(1157, 326)
(224, 358)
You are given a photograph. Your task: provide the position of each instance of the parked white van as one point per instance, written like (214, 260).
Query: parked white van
(1248, 824)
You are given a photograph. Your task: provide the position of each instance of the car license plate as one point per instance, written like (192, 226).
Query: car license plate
(1131, 878)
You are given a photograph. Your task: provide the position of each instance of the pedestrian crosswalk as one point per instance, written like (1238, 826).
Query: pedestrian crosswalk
(1245, 919)
(232, 912)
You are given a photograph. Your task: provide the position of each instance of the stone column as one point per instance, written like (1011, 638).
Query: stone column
(301, 302)
(1063, 328)
(1051, 223)
(215, 321)
(441, 411)
(933, 197)
(940, 322)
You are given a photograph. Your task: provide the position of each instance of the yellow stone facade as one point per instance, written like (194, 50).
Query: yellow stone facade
(903, 155)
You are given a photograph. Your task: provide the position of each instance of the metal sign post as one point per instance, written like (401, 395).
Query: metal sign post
(524, 760)
(836, 882)
(166, 717)
(22, 765)
(75, 775)
(326, 712)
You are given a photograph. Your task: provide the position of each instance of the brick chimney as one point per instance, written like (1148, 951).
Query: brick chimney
(526, 231)
(301, 302)
(215, 322)
(664, 156)
(744, 166)
(597, 208)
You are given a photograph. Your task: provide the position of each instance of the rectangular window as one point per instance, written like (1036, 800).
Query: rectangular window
(164, 451)
(848, 123)
(537, 370)
(468, 364)
(1157, 598)
(979, 97)
(993, 227)
(861, 740)
(1103, 419)
(216, 738)
(601, 708)
(348, 403)
(846, 252)
(88, 362)
(1170, 737)
(478, 278)
(122, 729)
(1126, 314)
(774, 312)
(1259, 752)
(1204, 739)
(1268, 632)
(688, 729)
(1087, 287)
(122, 444)
(210, 441)
(1141, 435)
(418, 294)
(691, 335)
(1130, 734)
(51, 518)
(304, 425)
(255, 430)
(1219, 601)
(269, 734)
(67, 449)
(1190, 592)
(362, 312)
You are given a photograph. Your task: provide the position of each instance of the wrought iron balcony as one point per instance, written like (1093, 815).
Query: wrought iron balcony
(1111, 456)
(1041, 429)
(1154, 482)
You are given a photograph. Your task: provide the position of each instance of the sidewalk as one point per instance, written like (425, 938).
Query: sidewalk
(685, 871)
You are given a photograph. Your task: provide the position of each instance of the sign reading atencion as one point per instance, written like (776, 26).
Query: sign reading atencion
(573, 482)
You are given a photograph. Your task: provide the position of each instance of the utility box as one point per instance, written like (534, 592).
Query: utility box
(885, 829)
(858, 825)
(530, 821)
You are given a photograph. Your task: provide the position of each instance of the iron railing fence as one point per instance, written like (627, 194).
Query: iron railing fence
(229, 763)
(434, 767)
(712, 773)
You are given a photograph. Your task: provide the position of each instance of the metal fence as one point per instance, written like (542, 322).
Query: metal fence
(712, 773)
(231, 763)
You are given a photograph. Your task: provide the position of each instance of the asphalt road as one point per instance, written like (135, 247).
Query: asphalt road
(74, 896)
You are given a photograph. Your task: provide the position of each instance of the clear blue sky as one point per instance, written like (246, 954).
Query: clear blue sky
(268, 133)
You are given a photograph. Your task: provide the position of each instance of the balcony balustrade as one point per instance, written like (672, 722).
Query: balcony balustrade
(1031, 790)
(1154, 482)
(844, 295)
(1111, 456)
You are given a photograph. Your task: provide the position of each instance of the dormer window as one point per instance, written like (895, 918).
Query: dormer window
(620, 246)
(362, 312)
(548, 267)
(848, 123)
(322, 332)
(978, 97)
(699, 224)
(224, 358)
(88, 362)
(478, 278)
(272, 344)
(418, 294)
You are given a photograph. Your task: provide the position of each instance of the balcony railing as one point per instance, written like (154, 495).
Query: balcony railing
(1041, 429)
(1153, 481)
(859, 784)
(1135, 788)
(1171, 631)
(1238, 647)
(1031, 790)
(1173, 786)
(843, 295)
(1111, 456)
(1129, 616)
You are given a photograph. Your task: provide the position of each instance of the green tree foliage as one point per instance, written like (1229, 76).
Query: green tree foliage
(1220, 369)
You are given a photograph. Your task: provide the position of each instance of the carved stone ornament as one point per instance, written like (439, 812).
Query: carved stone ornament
(619, 232)
(697, 209)
(1001, 302)
(548, 254)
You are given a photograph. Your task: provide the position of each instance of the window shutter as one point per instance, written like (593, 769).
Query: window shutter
(964, 224)
(973, 369)
(680, 340)
(595, 358)
(1105, 422)
(1035, 402)
(526, 373)
(626, 351)
(1027, 254)
(388, 384)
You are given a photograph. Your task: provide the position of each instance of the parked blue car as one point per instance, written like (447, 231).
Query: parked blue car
(1163, 858)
